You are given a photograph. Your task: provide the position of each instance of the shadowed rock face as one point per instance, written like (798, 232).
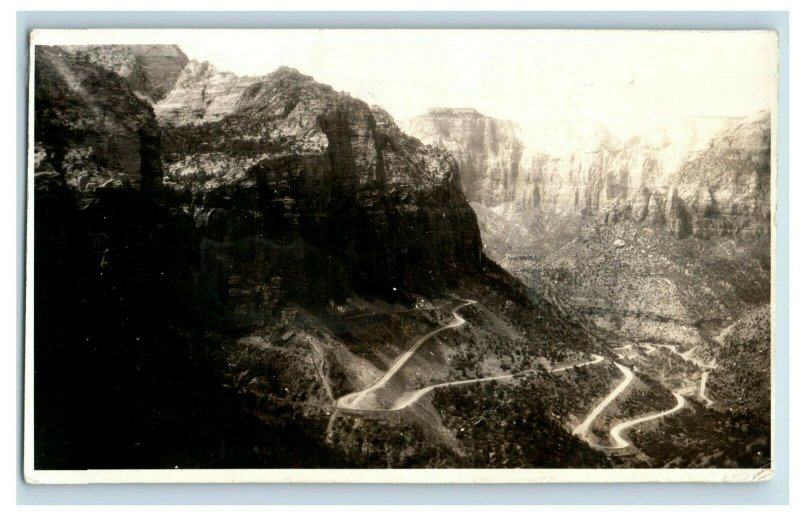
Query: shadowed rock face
(91, 131)
(150, 70)
(704, 177)
(114, 277)
(297, 161)
(281, 159)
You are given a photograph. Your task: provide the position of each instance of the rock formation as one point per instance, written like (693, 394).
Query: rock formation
(278, 159)
(594, 173)
(147, 243)
(219, 259)
(202, 94)
(78, 139)
(488, 151)
(296, 161)
(150, 70)
(726, 187)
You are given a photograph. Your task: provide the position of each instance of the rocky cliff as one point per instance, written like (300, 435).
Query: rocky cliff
(150, 70)
(297, 162)
(678, 176)
(278, 159)
(663, 236)
(92, 132)
(115, 313)
(202, 94)
(489, 151)
(216, 265)
(146, 268)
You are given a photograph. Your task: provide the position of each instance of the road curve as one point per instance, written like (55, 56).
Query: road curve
(649, 349)
(413, 396)
(582, 430)
(702, 392)
(616, 432)
(352, 400)
(596, 359)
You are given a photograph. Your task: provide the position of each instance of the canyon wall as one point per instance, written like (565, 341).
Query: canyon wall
(702, 177)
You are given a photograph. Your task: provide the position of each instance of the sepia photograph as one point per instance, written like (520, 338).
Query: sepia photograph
(393, 255)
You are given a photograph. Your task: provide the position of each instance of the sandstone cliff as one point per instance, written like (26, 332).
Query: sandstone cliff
(296, 161)
(594, 173)
(488, 150)
(91, 131)
(202, 94)
(279, 159)
(150, 70)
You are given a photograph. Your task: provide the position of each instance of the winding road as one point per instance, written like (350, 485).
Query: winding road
(582, 430)
(649, 349)
(596, 359)
(353, 400)
(702, 392)
(413, 396)
(616, 432)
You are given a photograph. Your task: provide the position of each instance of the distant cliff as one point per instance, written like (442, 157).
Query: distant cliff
(489, 151)
(646, 178)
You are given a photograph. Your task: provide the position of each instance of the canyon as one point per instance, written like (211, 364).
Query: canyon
(242, 271)
(665, 233)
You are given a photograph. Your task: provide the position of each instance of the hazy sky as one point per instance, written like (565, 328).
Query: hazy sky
(624, 80)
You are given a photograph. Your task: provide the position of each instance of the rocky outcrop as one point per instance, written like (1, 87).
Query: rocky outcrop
(115, 269)
(280, 163)
(726, 188)
(150, 70)
(202, 94)
(487, 150)
(678, 171)
(297, 163)
(91, 131)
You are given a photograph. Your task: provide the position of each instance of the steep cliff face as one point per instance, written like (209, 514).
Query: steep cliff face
(150, 70)
(488, 150)
(664, 236)
(92, 131)
(279, 160)
(297, 162)
(300, 197)
(678, 171)
(114, 273)
(726, 188)
(202, 94)
(720, 190)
